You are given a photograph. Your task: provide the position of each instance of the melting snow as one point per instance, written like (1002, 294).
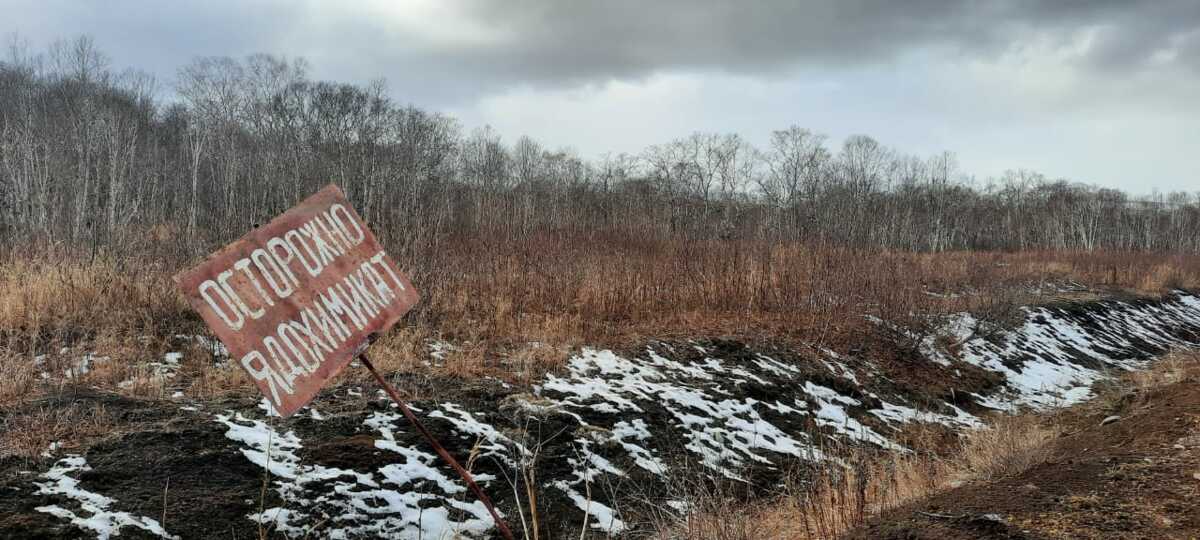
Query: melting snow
(623, 432)
(725, 433)
(830, 414)
(354, 504)
(94, 512)
(1043, 359)
(626, 411)
(900, 414)
(603, 517)
(492, 442)
(50, 450)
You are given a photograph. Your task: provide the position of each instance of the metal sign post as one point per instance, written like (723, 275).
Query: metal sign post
(297, 299)
(437, 447)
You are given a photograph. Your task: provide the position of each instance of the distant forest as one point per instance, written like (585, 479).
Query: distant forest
(89, 157)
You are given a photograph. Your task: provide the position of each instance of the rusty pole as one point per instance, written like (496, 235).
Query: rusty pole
(466, 476)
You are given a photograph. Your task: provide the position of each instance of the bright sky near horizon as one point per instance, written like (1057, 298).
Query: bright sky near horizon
(1100, 92)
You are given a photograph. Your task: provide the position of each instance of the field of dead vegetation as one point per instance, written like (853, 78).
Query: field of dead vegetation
(518, 309)
(774, 359)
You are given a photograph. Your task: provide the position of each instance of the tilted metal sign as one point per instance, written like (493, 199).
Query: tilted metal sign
(294, 300)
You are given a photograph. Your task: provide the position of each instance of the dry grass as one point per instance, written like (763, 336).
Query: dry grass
(569, 291)
(18, 380)
(1009, 446)
(28, 434)
(208, 381)
(59, 298)
(1136, 389)
(1164, 276)
(602, 290)
(517, 309)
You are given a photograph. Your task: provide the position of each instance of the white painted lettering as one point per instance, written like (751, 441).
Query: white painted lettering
(264, 372)
(310, 263)
(345, 222)
(205, 293)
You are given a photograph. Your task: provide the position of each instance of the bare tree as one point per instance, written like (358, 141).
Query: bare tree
(91, 158)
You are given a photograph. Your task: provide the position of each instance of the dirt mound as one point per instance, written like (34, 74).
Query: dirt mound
(1136, 477)
(609, 444)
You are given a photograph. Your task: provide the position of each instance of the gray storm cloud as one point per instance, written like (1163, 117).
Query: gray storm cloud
(997, 81)
(553, 42)
(477, 46)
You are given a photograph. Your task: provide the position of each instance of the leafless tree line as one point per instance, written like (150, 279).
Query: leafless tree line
(90, 157)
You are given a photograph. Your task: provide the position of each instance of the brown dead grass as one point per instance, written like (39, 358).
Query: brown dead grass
(28, 434)
(60, 299)
(1137, 389)
(18, 380)
(1009, 446)
(517, 309)
(553, 289)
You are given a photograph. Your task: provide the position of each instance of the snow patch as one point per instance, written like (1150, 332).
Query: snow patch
(94, 513)
(408, 499)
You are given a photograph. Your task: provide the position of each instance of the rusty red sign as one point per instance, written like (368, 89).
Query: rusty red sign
(294, 299)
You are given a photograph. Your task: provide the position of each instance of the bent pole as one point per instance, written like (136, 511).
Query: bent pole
(466, 476)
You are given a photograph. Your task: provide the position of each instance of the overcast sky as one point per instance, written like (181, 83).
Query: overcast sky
(1104, 92)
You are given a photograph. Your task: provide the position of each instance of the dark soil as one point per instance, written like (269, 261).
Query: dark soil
(160, 463)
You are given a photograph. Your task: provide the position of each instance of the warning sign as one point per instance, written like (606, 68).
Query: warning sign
(294, 299)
